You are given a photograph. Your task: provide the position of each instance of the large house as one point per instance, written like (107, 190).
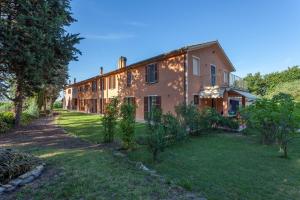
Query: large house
(200, 74)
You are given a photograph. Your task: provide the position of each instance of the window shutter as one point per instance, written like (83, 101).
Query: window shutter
(158, 102)
(104, 83)
(146, 108)
(156, 74)
(146, 74)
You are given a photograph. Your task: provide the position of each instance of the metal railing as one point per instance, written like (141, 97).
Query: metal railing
(237, 82)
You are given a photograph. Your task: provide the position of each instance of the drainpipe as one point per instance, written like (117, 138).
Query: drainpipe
(185, 79)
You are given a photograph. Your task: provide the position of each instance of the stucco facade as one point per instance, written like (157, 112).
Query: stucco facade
(175, 82)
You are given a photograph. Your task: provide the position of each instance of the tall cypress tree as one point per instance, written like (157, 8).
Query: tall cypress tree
(34, 47)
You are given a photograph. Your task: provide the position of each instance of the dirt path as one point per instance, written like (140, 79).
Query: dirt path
(41, 133)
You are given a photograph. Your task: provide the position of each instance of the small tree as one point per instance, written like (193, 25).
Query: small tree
(127, 124)
(156, 134)
(287, 123)
(275, 120)
(109, 120)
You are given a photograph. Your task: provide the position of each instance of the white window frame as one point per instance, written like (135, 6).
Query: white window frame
(197, 68)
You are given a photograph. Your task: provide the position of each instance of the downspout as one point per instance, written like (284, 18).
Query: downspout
(185, 78)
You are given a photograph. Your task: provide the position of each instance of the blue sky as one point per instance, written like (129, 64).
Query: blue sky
(258, 35)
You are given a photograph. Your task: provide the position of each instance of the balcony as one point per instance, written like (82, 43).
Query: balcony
(237, 82)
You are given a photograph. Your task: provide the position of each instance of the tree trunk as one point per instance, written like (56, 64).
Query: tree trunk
(285, 155)
(18, 103)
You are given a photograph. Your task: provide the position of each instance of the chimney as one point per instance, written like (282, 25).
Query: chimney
(101, 70)
(122, 62)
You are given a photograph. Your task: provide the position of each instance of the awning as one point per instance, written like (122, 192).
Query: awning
(245, 94)
(212, 92)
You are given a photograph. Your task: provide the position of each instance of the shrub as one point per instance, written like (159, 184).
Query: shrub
(57, 105)
(228, 123)
(6, 106)
(174, 131)
(189, 117)
(156, 139)
(127, 124)
(26, 118)
(3, 127)
(8, 118)
(31, 107)
(274, 119)
(109, 120)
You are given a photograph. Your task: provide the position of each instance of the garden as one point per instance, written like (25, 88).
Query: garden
(253, 164)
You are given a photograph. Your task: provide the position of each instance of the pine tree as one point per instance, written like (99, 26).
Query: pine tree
(34, 47)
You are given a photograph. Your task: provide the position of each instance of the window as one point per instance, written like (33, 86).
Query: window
(80, 89)
(112, 82)
(196, 99)
(151, 73)
(196, 66)
(129, 100)
(102, 84)
(151, 102)
(213, 75)
(94, 86)
(69, 91)
(225, 78)
(129, 78)
(86, 88)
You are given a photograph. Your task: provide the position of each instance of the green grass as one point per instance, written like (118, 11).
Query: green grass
(230, 167)
(88, 127)
(222, 166)
(92, 174)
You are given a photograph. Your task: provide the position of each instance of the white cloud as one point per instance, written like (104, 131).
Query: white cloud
(109, 36)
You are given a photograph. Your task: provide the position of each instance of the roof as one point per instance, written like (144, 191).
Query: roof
(179, 51)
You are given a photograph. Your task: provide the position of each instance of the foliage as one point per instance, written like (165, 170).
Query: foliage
(156, 139)
(36, 48)
(109, 120)
(274, 118)
(189, 116)
(14, 163)
(26, 118)
(31, 107)
(292, 88)
(3, 127)
(6, 106)
(8, 118)
(57, 105)
(174, 131)
(265, 84)
(198, 121)
(127, 124)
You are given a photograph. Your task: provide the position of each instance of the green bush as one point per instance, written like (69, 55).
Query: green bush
(3, 127)
(26, 118)
(274, 119)
(31, 107)
(8, 118)
(228, 123)
(57, 105)
(127, 124)
(156, 139)
(6, 106)
(174, 131)
(109, 120)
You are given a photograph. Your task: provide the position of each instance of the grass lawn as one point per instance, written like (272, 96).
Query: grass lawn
(230, 167)
(92, 174)
(88, 127)
(222, 166)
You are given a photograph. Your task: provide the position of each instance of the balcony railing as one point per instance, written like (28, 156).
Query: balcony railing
(237, 82)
